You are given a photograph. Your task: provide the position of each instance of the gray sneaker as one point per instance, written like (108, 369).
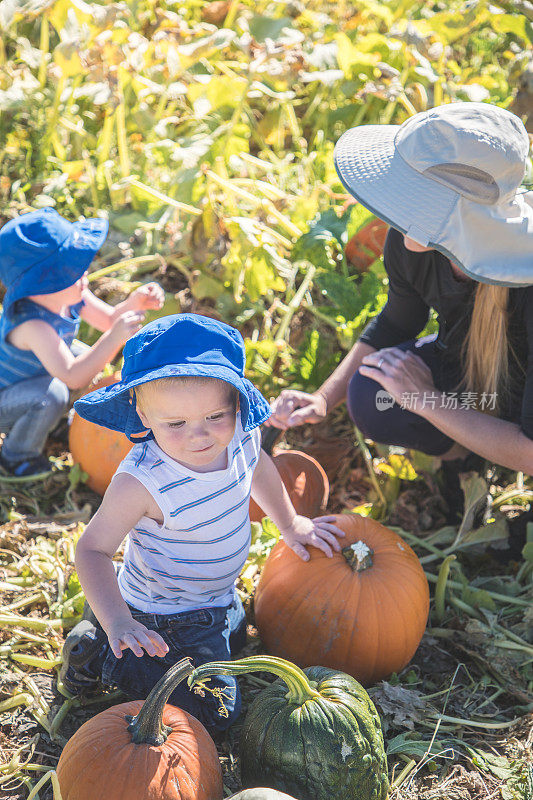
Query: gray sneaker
(82, 646)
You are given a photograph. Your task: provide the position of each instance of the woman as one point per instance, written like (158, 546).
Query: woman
(461, 242)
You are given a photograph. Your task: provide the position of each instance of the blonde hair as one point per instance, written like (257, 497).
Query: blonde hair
(486, 348)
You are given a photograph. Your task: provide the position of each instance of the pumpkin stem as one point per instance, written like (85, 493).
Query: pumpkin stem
(300, 688)
(147, 727)
(358, 555)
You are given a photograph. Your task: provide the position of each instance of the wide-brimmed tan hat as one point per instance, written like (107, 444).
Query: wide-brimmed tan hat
(450, 178)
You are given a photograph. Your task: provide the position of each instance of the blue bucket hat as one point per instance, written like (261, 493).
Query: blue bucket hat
(177, 345)
(41, 252)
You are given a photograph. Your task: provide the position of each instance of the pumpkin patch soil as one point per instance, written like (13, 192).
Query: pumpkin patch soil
(456, 664)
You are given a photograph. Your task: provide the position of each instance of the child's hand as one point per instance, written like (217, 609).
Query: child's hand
(319, 532)
(125, 325)
(126, 633)
(296, 408)
(151, 295)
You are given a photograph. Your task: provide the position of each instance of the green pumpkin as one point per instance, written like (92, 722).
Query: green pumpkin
(320, 740)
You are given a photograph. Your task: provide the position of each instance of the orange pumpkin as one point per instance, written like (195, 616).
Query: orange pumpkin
(96, 449)
(142, 750)
(305, 481)
(367, 244)
(363, 611)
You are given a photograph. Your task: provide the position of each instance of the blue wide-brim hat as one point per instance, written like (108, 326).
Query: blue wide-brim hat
(41, 252)
(177, 345)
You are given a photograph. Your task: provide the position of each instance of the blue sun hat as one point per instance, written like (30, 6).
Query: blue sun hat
(41, 252)
(177, 345)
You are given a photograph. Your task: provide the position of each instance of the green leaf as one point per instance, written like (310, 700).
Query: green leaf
(57, 13)
(475, 489)
(353, 60)
(478, 598)
(251, 269)
(263, 28)
(76, 476)
(217, 91)
(265, 347)
(451, 26)
(358, 218)
(375, 43)
(314, 362)
(516, 24)
(74, 587)
(234, 145)
(342, 294)
(264, 537)
(378, 10)
(498, 530)
(202, 286)
(260, 276)
(527, 552)
(412, 747)
(326, 234)
(126, 223)
(325, 230)
(490, 762)
(308, 359)
(351, 300)
(422, 462)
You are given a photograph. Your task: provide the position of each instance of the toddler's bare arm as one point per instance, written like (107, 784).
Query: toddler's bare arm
(56, 357)
(103, 316)
(298, 532)
(125, 502)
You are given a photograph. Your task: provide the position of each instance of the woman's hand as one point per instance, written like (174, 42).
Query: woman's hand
(319, 532)
(151, 295)
(124, 633)
(293, 408)
(399, 372)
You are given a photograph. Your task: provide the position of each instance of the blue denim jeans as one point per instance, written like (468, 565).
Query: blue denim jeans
(29, 410)
(205, 634)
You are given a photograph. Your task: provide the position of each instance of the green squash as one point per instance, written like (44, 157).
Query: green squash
(319, 740)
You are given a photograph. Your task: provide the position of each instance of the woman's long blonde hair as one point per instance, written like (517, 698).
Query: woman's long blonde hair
(485, 350)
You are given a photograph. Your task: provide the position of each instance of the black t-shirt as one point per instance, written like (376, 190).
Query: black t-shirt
(419, 282)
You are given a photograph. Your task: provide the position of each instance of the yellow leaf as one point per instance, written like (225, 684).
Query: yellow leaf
(74, 169)
(66, 56)
(350, 56)
(218, 91)
(58, 14)
(364, 509)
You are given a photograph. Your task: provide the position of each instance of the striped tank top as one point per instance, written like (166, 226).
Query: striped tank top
(194, 558)
(18, 365)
